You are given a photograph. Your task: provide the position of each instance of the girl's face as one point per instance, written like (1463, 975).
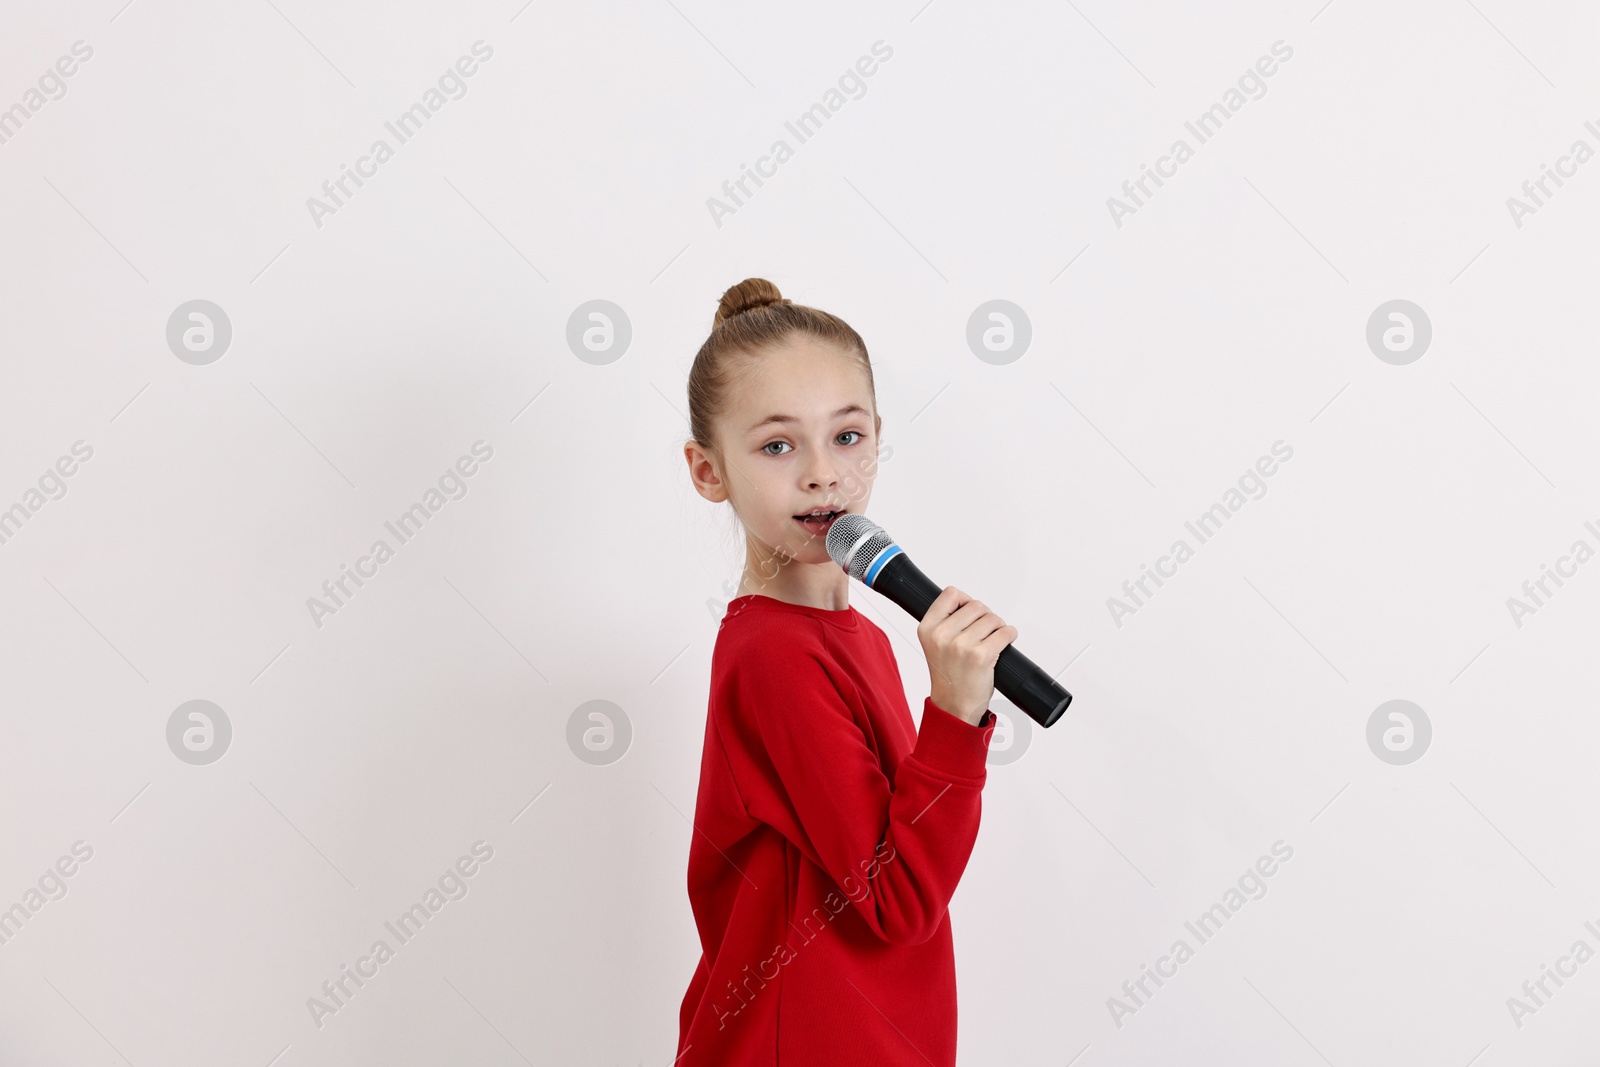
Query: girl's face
(799, 433)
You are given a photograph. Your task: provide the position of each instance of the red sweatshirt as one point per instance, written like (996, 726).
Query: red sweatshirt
(829, 835)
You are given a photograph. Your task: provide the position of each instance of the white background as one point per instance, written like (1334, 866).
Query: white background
(431, 711)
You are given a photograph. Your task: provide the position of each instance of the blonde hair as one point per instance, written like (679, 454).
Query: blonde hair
(753, 317)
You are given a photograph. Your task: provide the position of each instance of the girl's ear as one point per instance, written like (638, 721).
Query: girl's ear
(703, 472)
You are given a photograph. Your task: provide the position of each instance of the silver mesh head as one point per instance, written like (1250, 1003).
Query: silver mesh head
(854, 541)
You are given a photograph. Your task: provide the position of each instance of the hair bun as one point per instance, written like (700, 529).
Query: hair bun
(748, 295)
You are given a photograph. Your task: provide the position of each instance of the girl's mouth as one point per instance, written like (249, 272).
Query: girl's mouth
(818, 524)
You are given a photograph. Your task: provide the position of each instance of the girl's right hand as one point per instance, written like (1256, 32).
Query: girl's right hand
(962, 639)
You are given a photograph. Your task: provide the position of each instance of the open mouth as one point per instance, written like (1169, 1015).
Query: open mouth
(818, 521)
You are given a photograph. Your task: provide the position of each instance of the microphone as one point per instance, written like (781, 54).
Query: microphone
(862, 548)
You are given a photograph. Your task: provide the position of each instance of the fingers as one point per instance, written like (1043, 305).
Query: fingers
(949, 599)
(973, 621)
(963, 617)
(964, 620)
(959, 607)
(963, 641)
(997, 642)
(943, 606)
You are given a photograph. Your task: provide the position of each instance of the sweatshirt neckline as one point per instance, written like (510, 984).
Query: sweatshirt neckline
(847, 619)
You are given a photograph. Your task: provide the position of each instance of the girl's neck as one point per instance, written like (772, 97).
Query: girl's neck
(817, 585)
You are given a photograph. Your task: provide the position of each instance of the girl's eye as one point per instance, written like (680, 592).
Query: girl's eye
(767, 448)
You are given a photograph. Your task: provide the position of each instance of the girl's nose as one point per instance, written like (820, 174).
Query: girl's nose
(821, 474)
(823, 481)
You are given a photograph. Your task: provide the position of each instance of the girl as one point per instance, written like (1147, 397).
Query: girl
(829, 833)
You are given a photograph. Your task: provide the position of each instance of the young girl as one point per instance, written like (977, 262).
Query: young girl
(829, 832)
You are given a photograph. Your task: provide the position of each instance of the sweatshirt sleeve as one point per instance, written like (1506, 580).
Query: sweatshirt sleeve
(896, 849)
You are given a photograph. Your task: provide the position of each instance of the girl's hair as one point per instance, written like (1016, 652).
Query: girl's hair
(752, 318)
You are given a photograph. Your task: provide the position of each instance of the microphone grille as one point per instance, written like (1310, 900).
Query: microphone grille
(854, 541)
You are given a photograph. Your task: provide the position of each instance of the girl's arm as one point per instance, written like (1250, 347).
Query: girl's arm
(897, 849)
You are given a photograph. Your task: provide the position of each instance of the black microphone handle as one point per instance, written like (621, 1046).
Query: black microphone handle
(1021, 680)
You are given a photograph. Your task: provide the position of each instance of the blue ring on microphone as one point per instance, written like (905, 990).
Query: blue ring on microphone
(877, 564)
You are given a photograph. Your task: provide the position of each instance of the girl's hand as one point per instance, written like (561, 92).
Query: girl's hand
(961, 639)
